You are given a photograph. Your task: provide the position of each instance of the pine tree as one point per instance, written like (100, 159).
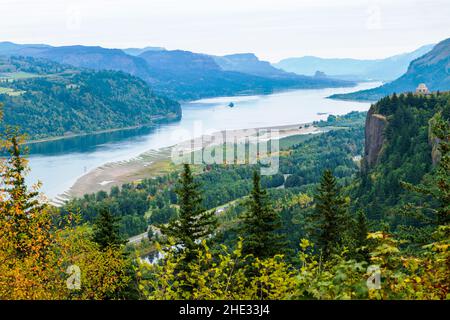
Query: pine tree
(107, 236)
(13, 177)
(361, 229)
(18, 206)
(360, 237)
(194, 222)
(260, 224)
(329, 216)
(106, 230)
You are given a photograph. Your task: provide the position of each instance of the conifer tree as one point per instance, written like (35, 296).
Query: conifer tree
(106, 230)
(194, 222)
(13, 176)
(329, 216)
(260, 224)
(360, 237)
(361, 229)
(19, 206)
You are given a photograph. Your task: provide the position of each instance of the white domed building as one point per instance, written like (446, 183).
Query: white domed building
(422, 89)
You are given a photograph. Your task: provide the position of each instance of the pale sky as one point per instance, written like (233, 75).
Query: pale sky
(272, 29)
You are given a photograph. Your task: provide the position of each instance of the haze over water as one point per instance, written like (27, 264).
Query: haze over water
(58, 164)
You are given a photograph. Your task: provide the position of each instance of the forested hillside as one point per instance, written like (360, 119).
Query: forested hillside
(48, 99)
(212, 226)
(408, 154)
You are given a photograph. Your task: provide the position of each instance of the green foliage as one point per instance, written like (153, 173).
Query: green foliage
(223, 276)
(193, 223)
(75, 101)
(406, 155)
(154, 201)
(106, 230)
(350, 119)
(230, 275)
(332, 150)
(19, 201)
(260, 224)
(37, 245)
(438, 187)
(360, 235)
(189, 269)
(329, 219)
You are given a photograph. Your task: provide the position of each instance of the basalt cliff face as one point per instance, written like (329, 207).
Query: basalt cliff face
(375, 124)
(434, 143)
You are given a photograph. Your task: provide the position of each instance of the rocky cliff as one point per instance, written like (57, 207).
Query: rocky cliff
(375, 124)
(434, 143)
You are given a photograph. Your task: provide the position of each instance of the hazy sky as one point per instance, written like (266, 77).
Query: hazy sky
(271, 29)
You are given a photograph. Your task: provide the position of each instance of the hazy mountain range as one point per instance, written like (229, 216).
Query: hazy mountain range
(138, 51)
(432, 69)
(249, 63)
(378, 69)
(178, 74)
(185, 75)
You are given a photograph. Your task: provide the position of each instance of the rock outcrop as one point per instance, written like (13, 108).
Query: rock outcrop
(434, 143)
(375, 124)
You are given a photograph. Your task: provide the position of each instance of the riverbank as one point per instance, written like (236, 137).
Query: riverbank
(157, 162)
(156, 120)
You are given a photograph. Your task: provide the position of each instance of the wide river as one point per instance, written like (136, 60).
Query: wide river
(58, 164)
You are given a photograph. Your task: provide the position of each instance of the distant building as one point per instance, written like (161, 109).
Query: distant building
(422, 89)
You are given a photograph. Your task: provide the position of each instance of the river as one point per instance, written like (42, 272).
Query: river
(58, 164)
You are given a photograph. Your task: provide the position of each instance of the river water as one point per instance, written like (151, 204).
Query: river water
(58, 164)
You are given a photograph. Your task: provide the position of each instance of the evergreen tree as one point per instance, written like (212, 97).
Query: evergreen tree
(194, 222)
(260, 224)
(329, 216)
(107, 236)
(13, 176)
(361, 232)
(106, 230)
(18, 205)
(361, 229)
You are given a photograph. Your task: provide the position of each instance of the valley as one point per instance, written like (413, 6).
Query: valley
(224, 151)
(86, 153)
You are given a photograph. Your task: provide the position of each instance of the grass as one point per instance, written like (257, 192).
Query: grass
(10, 92)
(17, 75)
(155, 164)
(287, 142)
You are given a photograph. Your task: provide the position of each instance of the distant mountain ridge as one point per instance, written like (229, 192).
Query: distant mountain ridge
(187, 75)
(432, 69)
(249, 63)
(378, 69)
(178, 74)
(138, 51)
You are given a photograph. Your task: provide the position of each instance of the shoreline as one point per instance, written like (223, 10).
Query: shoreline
(173, 117)
(75, 135)
(156, 162)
